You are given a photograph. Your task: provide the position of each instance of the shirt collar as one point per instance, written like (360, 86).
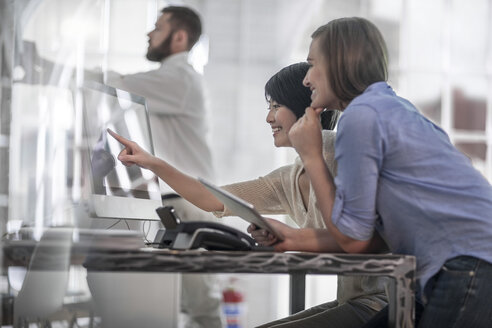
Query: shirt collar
(379, 87)
(176, 58)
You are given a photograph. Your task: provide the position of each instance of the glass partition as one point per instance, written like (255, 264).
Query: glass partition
(59, 44)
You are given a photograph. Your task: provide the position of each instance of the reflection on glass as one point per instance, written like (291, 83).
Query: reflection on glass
(54, 40)
(126, 115)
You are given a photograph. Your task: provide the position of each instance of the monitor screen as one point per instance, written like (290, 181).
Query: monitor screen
(118, 191)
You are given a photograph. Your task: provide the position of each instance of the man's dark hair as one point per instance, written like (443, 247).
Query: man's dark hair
(286, 89)
(184, 18)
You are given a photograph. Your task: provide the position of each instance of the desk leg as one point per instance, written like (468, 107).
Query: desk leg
(297, 291)
(401, 304)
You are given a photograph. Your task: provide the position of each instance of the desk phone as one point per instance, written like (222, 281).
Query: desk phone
(200, 234)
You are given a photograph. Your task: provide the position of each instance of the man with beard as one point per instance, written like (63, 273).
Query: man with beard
(175, 100)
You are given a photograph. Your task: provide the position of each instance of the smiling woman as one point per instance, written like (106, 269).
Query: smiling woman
(280, 119)
(387, 183)
(288, 102)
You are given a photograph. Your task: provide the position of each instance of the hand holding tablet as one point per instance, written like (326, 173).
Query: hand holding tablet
(241, 208)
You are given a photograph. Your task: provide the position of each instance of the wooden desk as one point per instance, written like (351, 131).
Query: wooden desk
(400, 268)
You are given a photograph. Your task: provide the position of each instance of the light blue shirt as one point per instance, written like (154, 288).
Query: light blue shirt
(399, 173)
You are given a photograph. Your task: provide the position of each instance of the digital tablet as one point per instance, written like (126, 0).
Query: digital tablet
(241, 208)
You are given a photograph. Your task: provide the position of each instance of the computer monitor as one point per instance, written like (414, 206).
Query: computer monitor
(117, 191)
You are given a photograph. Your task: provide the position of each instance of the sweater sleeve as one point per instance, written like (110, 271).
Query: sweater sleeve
(265, 193)
(329, 151)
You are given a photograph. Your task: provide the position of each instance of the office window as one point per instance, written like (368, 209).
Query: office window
(445, 70)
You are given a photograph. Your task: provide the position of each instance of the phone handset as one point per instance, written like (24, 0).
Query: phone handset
(199, 234)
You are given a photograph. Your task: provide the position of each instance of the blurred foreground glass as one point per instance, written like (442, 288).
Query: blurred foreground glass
(58, 45)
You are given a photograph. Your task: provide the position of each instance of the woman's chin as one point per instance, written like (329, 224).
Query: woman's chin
(316, 104)
(281, 144)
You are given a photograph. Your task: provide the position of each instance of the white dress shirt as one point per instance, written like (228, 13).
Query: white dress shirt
(178, 120)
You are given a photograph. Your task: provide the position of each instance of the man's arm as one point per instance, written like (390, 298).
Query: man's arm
(167, 90)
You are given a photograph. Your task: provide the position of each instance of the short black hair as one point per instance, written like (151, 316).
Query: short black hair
(187, 19)
(286, 88)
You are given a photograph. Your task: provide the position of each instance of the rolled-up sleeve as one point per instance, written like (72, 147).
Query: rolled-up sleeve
(359, 151)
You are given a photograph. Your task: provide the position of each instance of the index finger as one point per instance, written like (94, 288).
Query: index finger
(119, 138)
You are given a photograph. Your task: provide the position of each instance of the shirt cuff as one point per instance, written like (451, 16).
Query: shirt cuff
(221, 214)
(353, 227)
